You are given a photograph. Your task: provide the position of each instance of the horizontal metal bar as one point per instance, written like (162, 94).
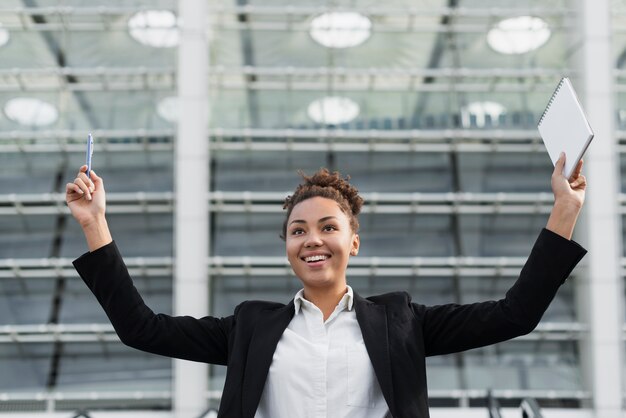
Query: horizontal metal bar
(294, 9)
(284, 78)
(292, 16)
(339, 140)
(417, 135)
(248, 202)
(279, 267)
(308, 72)
(274, 146)
(379, 84)
(440, 72)
(247, 197)
(509, 394)
(216, 395)
(86, 333)
(409, 27)
(85, 396)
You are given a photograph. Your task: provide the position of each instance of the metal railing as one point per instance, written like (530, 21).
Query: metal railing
(530, 408)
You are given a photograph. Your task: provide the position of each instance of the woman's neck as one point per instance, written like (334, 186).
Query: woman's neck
(326, 299)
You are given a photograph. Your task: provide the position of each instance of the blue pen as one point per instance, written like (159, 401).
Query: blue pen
(89, 154)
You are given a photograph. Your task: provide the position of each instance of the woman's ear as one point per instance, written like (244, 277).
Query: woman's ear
(356, 242)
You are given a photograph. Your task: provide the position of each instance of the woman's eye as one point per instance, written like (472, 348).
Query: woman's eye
(297, 232)
(330, 228)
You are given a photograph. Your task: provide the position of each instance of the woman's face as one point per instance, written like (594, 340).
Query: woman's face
(319, 242)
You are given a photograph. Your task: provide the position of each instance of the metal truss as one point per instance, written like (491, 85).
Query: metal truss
(99, 333)
(285, 18)
(67, 401)
(315, 140)
(279, 267)
(494, 80)
(389, 20)
(65, 141)
(87, 79)
(271, 202)
(289, 140)
(53, 399)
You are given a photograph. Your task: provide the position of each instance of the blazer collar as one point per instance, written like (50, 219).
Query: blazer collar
(372, 319)
(270, 327)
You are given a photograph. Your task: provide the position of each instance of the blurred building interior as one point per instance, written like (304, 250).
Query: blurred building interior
(430, 106)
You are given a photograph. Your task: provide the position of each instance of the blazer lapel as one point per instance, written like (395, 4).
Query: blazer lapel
(372, 319)
(270, 327)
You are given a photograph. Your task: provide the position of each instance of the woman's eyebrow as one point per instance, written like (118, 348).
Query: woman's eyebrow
(302, 221)
(325, 218)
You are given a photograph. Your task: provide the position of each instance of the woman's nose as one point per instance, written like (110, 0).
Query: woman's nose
(313, 240)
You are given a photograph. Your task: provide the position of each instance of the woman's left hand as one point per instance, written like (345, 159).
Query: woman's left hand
(569, 192)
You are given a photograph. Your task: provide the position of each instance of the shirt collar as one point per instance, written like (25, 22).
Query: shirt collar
(346, 302)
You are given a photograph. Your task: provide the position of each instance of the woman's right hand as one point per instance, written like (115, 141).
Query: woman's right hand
(86, 198)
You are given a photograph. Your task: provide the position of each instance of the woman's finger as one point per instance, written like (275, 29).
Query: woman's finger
(81, 184)
(580, 181)
(71, 188)
(96, 180)
(577, 170)
(558, 166)
(86, 180)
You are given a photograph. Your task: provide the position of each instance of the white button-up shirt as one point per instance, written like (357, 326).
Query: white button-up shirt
(321, 369)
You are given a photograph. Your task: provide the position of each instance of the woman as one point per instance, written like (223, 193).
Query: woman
(328, 352)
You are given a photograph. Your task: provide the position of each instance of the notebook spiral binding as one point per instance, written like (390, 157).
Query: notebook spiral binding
(552, 99)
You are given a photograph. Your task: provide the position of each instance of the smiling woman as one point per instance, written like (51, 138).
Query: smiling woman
(329, 351)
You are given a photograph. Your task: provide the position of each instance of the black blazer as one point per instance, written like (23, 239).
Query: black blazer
(397, 333)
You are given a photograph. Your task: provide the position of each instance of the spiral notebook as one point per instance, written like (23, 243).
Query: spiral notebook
(564, 127)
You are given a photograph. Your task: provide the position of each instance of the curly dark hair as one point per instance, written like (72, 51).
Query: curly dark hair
(331, 186)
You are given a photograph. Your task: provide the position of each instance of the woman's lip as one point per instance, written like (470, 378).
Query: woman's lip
(316, 263)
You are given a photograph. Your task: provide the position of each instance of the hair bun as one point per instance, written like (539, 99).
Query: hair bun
(329, 185)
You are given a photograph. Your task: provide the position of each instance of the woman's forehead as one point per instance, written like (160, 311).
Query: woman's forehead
(316, 208)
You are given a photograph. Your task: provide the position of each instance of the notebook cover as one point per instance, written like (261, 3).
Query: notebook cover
(564, 127)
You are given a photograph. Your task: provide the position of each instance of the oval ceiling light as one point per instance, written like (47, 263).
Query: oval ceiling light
(168, 109)
(333, 110)
(340, 29)
(155, 28)
(29, 111)
(4, 36)
(518, 35)
(480, 111)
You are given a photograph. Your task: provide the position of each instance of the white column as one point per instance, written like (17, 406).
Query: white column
(191, 177)
(600, 287)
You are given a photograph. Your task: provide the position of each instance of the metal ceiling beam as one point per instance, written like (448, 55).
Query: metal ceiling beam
(270, 202)
(98, 333)
(279, 267)
(216, 395)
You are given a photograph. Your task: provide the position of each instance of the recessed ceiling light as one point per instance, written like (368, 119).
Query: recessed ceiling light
(29, 111)
(333, 110)
(340, 29)
(480, 111)
(518, 35)
(168, 109)
(156, 28)
(4, 35)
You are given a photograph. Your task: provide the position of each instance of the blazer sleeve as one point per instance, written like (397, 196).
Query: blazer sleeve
(184, 337)
(453, 328)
